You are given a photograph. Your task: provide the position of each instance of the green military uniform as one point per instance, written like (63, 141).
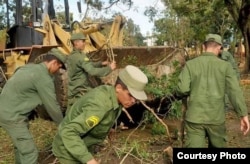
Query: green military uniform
(30, 86)
(204, 79)
(86, 124)
(227, 56)
(79, 67)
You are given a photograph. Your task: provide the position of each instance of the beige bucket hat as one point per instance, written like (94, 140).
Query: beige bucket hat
(135, 80)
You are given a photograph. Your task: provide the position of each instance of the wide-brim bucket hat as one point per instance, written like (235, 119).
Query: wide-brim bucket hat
(135, 80)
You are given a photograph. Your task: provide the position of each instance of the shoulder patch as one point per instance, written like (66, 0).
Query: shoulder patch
(92, 121)
(86, 59)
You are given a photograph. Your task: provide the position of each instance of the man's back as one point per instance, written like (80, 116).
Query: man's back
(77, 76)
(30, 86)
(79, 69)
(205, 79)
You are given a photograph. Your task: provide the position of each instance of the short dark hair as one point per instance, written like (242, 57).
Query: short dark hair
(119, 81)
(50, 57)
(210, 44)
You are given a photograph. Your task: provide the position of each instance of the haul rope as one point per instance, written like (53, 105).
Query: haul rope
(2, 72)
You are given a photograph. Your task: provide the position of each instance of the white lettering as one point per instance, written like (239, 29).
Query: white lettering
(227, 155)
(181, 155)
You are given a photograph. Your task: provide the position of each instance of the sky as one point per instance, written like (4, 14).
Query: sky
(135, 13)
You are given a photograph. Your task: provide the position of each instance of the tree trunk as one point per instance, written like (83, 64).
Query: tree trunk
(244, 25)
(246, 36)
(241, 14)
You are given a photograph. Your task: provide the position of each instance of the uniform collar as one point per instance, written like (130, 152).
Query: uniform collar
(209, 54)
(114, 98)
(77, 50)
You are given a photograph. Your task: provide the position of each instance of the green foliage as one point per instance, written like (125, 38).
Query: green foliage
(175, 110)
(129, 59)
(158, 129)
(132, 34)
(148, 117)
(156, 87)
(163, 86)
(151, 12)
(136, 149)
(187, 22)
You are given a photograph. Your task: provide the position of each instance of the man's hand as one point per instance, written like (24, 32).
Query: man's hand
(113, 65)
(105, 63)
(244, 125)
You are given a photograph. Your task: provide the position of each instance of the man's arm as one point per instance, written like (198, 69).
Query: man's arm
(46, 91)
(96, 71)
(183, 87)
(236, 97)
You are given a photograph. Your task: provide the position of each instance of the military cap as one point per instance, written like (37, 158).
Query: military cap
(78, 36)
(214, 38)
(59, 55)
(135, 80)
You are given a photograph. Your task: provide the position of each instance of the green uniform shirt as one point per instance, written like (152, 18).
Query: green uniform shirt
(31, 85)
(205, 79)
(79, 67)
(227, 56)
(87, 123)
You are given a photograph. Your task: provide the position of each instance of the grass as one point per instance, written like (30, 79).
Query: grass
(43, 132)
(128, 146)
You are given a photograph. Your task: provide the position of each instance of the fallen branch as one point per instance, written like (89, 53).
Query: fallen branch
(160, 120)
(55, 161)
(128, 115)
(123, 159)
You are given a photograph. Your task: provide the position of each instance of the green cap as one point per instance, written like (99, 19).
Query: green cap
(135, 80)
(213, 38)
(78, 36)
(59, 55)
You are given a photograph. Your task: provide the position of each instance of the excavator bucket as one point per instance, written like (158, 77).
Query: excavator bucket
(159, 59)
(36, 51)
(138, 56)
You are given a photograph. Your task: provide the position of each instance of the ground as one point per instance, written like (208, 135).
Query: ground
(133, 146)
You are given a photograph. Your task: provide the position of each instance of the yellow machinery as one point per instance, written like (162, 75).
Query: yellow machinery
(28, 40)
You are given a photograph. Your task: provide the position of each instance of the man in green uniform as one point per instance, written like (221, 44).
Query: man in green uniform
(227, 56)
(79, 68)
(92, 116)
(30, 85)
(205, 80)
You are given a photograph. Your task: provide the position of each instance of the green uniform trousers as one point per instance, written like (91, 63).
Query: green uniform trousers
(198, 134)
(24, 147)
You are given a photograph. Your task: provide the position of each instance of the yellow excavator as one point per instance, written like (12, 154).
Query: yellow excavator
(29, 39)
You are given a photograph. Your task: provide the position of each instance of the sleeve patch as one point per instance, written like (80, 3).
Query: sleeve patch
(92, 121)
